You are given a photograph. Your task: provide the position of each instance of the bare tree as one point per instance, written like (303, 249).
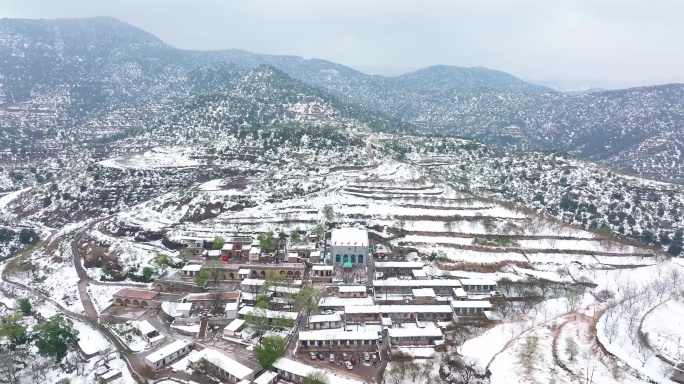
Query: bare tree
(573, 300)
(644, 348)
(571, 348)
(610, 329)
(675, 279)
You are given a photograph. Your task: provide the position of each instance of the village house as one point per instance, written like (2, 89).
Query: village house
(678, 372)
(234, 328)
(398, 313)
(191, 270)
(215, 363)
(183, 309)
(422, 296)
(168, 354)
(200, 301)
(349, 246)
(329, 340)
(150, 334)
(254, 253)
(478, 285)
(397, 267)
(406, 287)
(303, 250)
(196, 247)
(339, 303)
(419, 274)
(347, 291)
(295, 372)
(460, 294)
(324, 321)
(236, 247)
(322, 273)
(472, 307)
(315, 257)
(270, 315)
(414, 336)
(176, 282)
(266, 378)
(105, 374)
(135, 298)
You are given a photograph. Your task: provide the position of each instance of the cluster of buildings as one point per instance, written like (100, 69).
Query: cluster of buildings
(397, 306)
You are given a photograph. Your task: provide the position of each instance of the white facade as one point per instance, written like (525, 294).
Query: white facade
(349, 245)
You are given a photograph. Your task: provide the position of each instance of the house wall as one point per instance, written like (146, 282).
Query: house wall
(139, 303)
(168, 359)
(338, 345)
(678, 376)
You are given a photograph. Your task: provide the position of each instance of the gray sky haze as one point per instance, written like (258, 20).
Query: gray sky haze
(626, 42)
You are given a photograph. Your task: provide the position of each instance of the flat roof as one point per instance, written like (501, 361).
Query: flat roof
(222, 361)
(227, 246)
(253, 282)
(399, 264)
(254, 250)
(343, 302)
(280, 288)
(265, 378)
(246, 310)
(192, 267)
(349, 237)
(460, 292)
(145, 327)
(418, 273)
(243, 271)
(398, 309)
(417, 283)
(301, 370)
(414, 332)
(424, 292)
(471, 304)
(322, 268)
(210, 296)
(352, 288)
(478, 282)
(234, 325)
(136, 293)
(231, 306)
(315, 253)
(168, 350)
(184, 306)
(337, 334)
(324, 318)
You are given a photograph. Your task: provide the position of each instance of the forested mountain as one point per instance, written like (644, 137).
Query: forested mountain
(93, 79)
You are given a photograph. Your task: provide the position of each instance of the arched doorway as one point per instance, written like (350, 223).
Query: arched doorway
(144, 304)
(118, 301)
(136, 303)
(127, 302)
(232, 276)
(263, 273)
(353, 258)
(360, 259)
(345, 258)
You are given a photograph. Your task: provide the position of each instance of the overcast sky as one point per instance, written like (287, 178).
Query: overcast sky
(623, 41)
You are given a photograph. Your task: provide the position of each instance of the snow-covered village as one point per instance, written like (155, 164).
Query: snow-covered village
(178, 216)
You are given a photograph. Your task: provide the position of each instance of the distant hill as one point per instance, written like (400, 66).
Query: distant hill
(79, 80)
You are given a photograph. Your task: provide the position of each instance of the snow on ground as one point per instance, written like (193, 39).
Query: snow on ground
(91, 340)
(101, 295)
(637, 292)
(486, 346)
(6, 199)
(182, 364)
(160, 157)
(665, 327)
